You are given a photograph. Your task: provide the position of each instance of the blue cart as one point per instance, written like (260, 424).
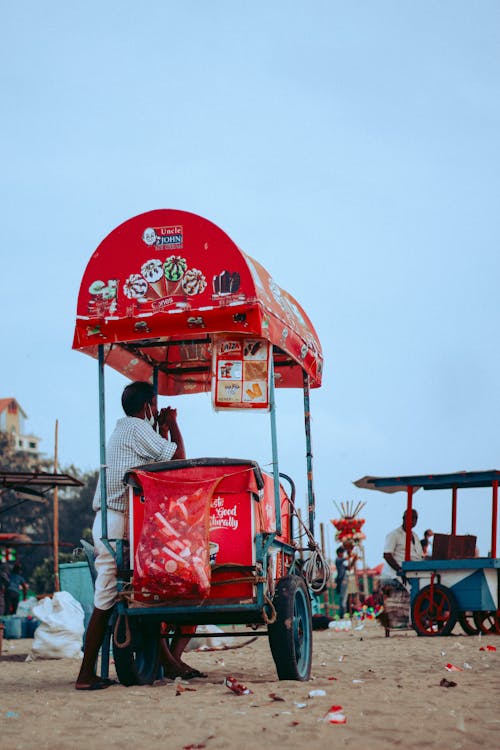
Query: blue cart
(454, 585)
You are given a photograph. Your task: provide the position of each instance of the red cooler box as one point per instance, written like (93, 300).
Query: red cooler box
(241, 504)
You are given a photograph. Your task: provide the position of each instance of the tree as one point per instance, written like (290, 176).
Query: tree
(42, 577)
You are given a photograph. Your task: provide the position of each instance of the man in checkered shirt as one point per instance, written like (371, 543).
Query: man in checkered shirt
(133, 442)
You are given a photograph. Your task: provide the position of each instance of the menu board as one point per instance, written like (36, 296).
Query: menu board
(240, 376)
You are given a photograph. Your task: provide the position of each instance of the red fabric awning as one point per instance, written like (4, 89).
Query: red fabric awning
(161, 287)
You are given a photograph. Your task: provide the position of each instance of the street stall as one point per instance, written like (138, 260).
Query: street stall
(21, 487)
(169, 298)
(455, 584)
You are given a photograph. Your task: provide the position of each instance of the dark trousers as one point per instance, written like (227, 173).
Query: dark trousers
(11, 602)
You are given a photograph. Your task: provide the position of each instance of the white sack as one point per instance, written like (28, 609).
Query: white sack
(216, 641)
(60, 633)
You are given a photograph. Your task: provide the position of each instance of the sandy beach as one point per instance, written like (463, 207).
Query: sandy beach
(389, 689)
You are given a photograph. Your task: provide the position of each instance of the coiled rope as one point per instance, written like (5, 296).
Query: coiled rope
(316, 570)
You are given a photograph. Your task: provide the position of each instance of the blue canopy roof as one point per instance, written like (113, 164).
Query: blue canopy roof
(430, 481)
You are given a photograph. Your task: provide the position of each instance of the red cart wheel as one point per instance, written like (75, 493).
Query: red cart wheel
(488, 622)
(434, 611)
(466, 620)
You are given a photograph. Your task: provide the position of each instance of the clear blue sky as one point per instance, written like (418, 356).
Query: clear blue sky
(352, 148)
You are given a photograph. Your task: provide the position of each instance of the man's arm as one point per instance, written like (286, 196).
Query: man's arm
(169, 429)
(176, 437)
(392, 562)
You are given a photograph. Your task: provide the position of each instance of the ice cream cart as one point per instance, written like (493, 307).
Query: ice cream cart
(169, 298)
(454, 584)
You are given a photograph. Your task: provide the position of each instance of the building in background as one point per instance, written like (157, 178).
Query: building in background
(12, 417)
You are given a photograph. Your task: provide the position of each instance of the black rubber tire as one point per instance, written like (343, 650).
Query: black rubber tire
(437, 616)
(467, 622)
(137, 663)
(488, 622)
(290, 636)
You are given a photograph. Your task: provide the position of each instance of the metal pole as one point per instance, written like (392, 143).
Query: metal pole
(454, 510)
(155, 379)
(323, 601)
(307, 424)
(365, 574)
(102, 439)
(274, 444)
(56, 516)
(301, 550)
(408, 524)
(494, 518)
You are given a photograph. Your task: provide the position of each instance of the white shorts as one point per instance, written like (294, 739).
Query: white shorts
(106, 585)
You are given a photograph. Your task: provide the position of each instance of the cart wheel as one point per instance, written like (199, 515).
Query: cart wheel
(137, 662)
(434, 611)
(488, 622)
(466, 620)
(290, 636)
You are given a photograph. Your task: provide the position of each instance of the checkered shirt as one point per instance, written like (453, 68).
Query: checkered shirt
(133, 442)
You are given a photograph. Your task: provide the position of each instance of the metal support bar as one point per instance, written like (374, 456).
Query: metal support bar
(105, 655)
(155, 380)
(292, 503)
(494, 518)
(454, 510)
(190, 614)
(102, 439)
(311, 503)
(262, 544)
(274, 443)
(226, 634)
(408, 523)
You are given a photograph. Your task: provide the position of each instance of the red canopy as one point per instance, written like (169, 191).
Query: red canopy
(163, 284)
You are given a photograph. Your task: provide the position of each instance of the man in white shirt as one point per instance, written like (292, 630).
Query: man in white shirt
(395, 546)
(134, 442)
(396, 599)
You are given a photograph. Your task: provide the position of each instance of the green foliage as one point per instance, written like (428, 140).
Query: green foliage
(42, 578)
(75, 508)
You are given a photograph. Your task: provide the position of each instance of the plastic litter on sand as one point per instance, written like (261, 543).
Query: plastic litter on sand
(339, 625)
(335, 715)
(236, 686)
(453, 668)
